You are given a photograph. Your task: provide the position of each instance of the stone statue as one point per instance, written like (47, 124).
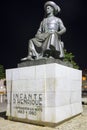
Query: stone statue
(47, 41)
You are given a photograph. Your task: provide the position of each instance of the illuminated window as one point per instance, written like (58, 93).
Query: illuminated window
(83, 78)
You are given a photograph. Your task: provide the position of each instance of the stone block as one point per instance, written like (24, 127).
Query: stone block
(47, 93)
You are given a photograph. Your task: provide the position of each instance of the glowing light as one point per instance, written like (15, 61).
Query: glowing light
(83, 78)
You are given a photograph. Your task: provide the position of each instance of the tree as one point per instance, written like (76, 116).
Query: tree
(69, 57)
(2, 72)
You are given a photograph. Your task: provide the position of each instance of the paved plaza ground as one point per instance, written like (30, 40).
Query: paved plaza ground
(77, 123)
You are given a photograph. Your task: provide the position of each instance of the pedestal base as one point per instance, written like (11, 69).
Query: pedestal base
(48, 93)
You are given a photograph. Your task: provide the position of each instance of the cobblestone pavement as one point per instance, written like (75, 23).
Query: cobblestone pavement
(77, 123)
(3, 107)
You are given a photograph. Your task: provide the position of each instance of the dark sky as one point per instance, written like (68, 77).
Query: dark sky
(19, 22)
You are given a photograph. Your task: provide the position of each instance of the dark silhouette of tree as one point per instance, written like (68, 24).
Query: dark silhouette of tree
(2, 72)
(69, 57)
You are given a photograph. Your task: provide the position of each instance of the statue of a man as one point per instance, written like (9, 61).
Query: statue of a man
(47, 41)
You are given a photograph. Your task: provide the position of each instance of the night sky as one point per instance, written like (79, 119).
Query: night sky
(19, 22)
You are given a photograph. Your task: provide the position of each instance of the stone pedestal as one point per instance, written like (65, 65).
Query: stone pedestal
(48, 93)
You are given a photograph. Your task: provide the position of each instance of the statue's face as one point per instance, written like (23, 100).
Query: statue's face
(49, 9)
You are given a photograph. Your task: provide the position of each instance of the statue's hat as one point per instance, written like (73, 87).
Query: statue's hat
(54, 5)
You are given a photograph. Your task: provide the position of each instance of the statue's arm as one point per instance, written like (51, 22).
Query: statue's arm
(62, 27)
(39, 31)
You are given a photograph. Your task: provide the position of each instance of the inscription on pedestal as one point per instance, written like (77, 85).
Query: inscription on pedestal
(25, 103)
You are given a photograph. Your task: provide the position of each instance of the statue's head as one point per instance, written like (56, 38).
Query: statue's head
(55, 7)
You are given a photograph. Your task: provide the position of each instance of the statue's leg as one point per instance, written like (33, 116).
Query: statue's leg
(32, 54)
(31, 50)
(61, 50)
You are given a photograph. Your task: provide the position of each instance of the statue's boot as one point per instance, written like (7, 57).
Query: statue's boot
(27, 58)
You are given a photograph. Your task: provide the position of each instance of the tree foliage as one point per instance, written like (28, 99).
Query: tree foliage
(69, 57)
(2, 72)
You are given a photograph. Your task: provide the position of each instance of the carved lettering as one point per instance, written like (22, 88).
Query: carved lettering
(33, 103)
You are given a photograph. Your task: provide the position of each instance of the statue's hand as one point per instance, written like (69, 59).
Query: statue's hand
(53, 31)
(62, 31)
(42, 36)
(39, 36)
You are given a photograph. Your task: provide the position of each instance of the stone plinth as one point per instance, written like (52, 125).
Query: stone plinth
(48, 93)
(44, 61)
